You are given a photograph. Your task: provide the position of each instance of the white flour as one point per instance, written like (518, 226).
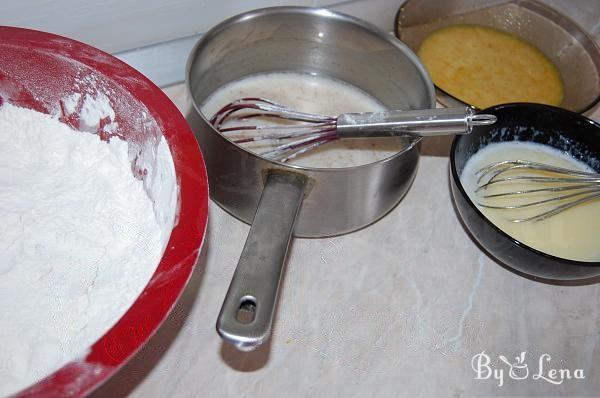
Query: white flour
(92, 110)
(79, 240)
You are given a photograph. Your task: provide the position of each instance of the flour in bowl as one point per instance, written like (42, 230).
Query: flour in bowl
(79, 240)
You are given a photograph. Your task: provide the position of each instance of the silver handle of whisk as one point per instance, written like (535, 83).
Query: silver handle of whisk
(421, 122)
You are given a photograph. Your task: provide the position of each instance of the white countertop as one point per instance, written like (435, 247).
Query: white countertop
(396, 309)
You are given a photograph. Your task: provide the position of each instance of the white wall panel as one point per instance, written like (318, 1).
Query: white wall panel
(118, 25)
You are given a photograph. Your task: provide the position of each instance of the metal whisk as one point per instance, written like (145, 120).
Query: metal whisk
(295, 133)
(564, 187)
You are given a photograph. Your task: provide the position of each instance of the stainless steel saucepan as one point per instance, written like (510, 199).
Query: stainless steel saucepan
(281, 200)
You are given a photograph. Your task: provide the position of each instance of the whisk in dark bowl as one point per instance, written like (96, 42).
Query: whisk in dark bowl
(546, 185)
(294, 133)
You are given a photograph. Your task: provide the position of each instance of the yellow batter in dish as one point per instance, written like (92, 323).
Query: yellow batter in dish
(484, 66)
(572, 234)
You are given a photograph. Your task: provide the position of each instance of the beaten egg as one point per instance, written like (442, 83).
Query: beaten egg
(483, 66)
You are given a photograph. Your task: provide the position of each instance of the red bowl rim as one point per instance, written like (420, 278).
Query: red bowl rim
(150, 309)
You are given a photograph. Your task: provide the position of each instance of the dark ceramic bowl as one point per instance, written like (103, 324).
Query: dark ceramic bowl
(542, 124)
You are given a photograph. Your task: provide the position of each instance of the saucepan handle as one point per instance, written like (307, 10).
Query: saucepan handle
(419, 122)
(247, 312)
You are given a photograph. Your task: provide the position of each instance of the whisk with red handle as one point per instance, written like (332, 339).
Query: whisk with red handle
(294, 133)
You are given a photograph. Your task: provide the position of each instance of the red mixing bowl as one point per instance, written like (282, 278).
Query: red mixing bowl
(38, 70)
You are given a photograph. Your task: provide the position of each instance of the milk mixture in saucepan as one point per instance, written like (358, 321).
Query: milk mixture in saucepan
(572, 234)
(313, 94)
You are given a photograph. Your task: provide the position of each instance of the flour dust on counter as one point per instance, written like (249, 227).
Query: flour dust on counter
(312, 94)
(79, 240)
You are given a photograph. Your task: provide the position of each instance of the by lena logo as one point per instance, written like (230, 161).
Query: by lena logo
(519, 369)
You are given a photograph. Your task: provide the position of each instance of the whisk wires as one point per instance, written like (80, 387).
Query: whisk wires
(290, 140)
(546, 184)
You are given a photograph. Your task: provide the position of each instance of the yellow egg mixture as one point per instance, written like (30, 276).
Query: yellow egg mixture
(572, 234)
(484, 67)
